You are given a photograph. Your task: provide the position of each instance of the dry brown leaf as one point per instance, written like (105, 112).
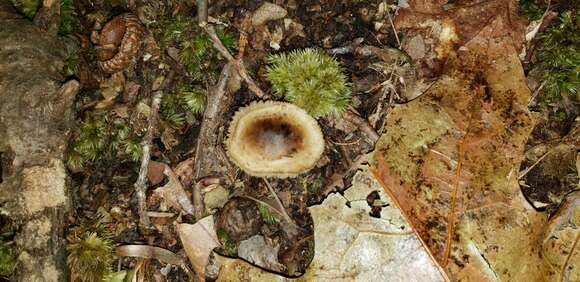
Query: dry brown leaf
(173, 192)
(444, 27)
(450, 159)
(198, 240)
(155, 172)
(450, 162)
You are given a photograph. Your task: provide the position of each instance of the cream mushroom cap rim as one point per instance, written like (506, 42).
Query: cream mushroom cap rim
(274, 139)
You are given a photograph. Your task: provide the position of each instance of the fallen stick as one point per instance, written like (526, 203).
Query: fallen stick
(219, 46)
(206, 159)
(141, 184)
(237, 63)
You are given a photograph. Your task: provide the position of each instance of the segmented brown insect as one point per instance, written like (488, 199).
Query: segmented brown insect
(120, 41)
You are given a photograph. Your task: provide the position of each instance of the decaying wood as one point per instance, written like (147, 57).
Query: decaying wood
(48, 16)
(208, 160)
(35, 120)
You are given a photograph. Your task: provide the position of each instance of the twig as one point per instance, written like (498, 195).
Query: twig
(536, 92)
(238, 63)
(348, 49)
(281, 206)
(205, 154)
(219, 46)
(394, 29)
(528, 169)
(141, 184)
(272, 208)
(202, 12)
(567, 262)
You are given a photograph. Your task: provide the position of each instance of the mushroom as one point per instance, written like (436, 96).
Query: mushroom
(274, 139)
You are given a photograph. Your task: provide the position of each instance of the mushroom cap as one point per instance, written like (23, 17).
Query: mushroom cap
(274, 139)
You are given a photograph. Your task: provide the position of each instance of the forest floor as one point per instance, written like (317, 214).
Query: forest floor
(460, 134)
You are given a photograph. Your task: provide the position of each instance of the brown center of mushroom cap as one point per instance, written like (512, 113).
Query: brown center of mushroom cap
(273, 138)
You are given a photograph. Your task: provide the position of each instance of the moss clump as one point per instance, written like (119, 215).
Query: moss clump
(71, 66)
(7, 259)
(7, 251)
(311, 80)
(315, 184)
(196, 52)
(559, 51)
(101, 138)
(90, 257)
(181, 106)
(69, 22)
(267, 215)
(532, 9)
(229, 247)
(27, 7)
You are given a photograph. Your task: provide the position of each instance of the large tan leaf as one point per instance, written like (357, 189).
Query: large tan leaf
(451, 159)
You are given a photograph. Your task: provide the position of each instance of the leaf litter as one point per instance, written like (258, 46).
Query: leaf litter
(442, 193)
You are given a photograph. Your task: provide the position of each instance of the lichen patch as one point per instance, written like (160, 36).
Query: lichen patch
(44, 187)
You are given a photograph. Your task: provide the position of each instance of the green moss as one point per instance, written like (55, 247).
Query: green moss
(71, 66)
(559, 52)
(69, 21)
(229, 246)
(7, 251)
(315, 184)
(90, 257)
(27, 7)
(193, 98)
(267, 215)
(101, 138)
(180, 106)
(196, 52)
(7, 259)
(532, 9)
(311, 80)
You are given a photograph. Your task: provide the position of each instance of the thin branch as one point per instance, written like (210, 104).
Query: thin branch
(238, 63)
(394, 29)
(202, 12)
(219, 46)
(528, 169)
(141, 184)
(281, 214)
(281, 206)
(567, 262)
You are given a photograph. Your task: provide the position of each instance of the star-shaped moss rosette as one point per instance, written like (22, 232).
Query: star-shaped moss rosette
(274, 139)
(310, 80)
